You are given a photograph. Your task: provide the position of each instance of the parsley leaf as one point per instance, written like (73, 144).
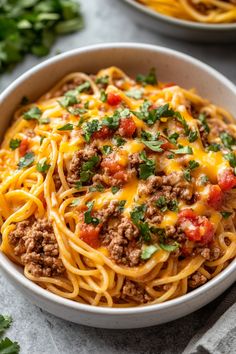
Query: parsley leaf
(97, 188)
(149, 79)
(5, 322)
(121, 205)
(88, 218)
(150, 116)
(228, 140)
(181, 119)
(103, 80)
(9, 347)
(118, 140)
(214, 147)
(154, 145)
(26, 160)
(137, 216)
(115, 189)
(103, 96)
(192, 136)
(68, 126)
(231, 157)
(134, 93)
(137, 213)
(85, 86)
(183, 150)
(147, 168)
(148, 251)
(169, 248)
(42, 165)
(106, 149)
(226, 214)
(87, 168)
(191, 166)
(14, 143)
(91, 127)
(203, 120)
(173, 138)
(32, 113)
(204, 180)
(69, 99)
(113, 121)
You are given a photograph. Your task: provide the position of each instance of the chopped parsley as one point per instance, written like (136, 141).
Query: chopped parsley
(5, 322)
(87, 168)
(231, 157)
(192, 136)
(151, 115)
(103, 80)
(165, 204)
(154, 145)
(68, 126)
(203, 120)
(121, 206)
(204, 180)
(32, 113)
(137, 216)
(118, 140)
(135, 93)
(103, 96)
(14, 143)
(191, 166)
(9, 347)
(91, 127)
(106, 149)
(77, 111)
(183, 150)
(88, 218)
(85, 86)
(228, 140)
(97, 188)
(181, 120)
(42, 165)
(148, 251)
(169, 247)
(26, 160)
(226, 214)
(149, 79)
(115, 189)
(69, 99)
(214, 147)
(147, 168)
(173, 138)
(113, 121)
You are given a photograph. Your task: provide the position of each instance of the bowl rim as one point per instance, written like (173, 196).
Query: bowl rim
(9, 267)
(179, 22)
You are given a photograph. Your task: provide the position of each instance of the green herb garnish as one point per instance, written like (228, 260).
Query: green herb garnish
(191, 166)
(147, 168)
(32, 113)
(134, 93)
(14, 143)
(68, 126)
(103, 80)
(203, 120)
(26, 160)
(97, 188)
(87, 168)
(214, 147)
(149, 79)
(106, 149)
(103, 96)
(91, 127)
(42, 165)
(115, 189)
(118, 140)
(183, 150)
(88, 218)
(148, 251)
(226, 214)
(228, 140)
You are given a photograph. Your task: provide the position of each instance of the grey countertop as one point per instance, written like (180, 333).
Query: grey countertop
(38, 332)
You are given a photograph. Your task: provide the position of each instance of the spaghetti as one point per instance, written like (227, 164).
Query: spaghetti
(205, 11)
(119, 192)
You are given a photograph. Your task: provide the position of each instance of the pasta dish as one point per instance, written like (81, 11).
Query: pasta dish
(117, 191)
(205, 11)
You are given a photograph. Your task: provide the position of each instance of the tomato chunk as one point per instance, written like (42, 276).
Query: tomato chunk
(24, 146)
(215, 197)
(90, 235)
(103, 133)
(113, 99)
(166, 145)
(112, 165)
(227, 180)
(196, 228)
(127, 127)
(169, 84)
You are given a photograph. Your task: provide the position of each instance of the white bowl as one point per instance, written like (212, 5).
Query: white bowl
(182, 29)
(133, 58)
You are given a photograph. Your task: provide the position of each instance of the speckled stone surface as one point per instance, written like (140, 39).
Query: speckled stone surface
(40, 333)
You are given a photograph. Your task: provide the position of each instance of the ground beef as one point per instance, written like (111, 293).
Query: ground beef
(197, 279)
(171, 187)
(57, 180)
(153, 215)
(120, 238)
(135, 292)
(78, 159)
(34, 241)
(108, 210)
(210, 254)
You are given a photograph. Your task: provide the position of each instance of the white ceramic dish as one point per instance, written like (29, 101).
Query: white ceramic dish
(133, 58)
(187, 30)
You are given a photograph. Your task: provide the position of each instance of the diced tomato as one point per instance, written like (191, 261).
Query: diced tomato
(226, 180)
(167, 145)
(24, 145)
(103, 133)
(196, 228)
(169, 84)
(90, 235)
(127, 127)
(116, 170)
(113, 99)
(215, 197)
(187, 214)
(121, 176)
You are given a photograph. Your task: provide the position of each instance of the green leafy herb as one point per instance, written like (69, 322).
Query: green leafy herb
(91, 127)
(138, 213)
(173, 205)
(162, 203)
(181, 120)
(231, 157)
(85, 86)
(14, 143)
(87, 168)
(191, 166)
(134, 93)
(150, 116)
(88, 218)
(32, 113)
(86, 105)
(69, 99)
(147, 168)
(204, 180)
(169, 248)
(5, 322)
(228, 140)
(103, 80)
(97, 188)
(203, 120)
(9, 347)
(183, 150)
(76, 111)
(226, 214)
(121, 206)
(42, 139)
(26, 160)
(113, 121)
(106, 149)
(173, 138)
(149, 79)
(42, 165)
(192, 136)
(214, 147)
(154, 145)
(118, 140)
(171, 156)
(103, 96)
(68, 126)
(45, 120)
(115, 189)
(148, 251)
